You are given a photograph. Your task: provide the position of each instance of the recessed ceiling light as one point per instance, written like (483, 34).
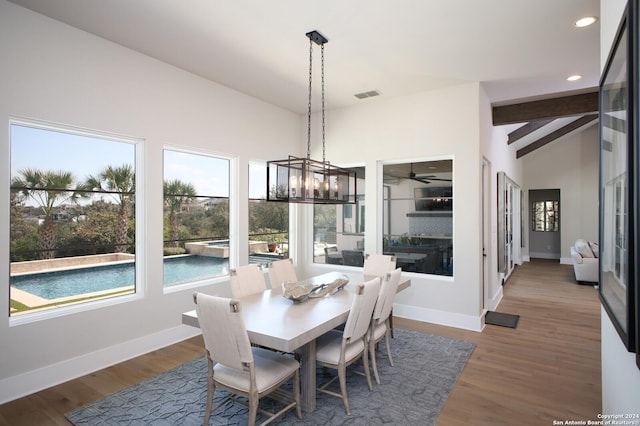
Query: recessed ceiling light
(574, 77)
(586, 21)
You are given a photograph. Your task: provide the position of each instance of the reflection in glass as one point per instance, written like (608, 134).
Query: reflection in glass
(268, 221)
(614, 187)
(418, 216)
(338, 228)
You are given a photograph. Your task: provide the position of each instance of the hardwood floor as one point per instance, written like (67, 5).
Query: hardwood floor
(546, 369)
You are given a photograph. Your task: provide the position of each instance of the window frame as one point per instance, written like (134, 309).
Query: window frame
(356, 236)
(263, 199)
(231, 200)
(139, 214)
(548, 226)
(618, 214)
(385, 202)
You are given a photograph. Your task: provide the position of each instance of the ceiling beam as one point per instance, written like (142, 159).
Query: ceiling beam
(525, 130)
(556, 134)
(545, 109)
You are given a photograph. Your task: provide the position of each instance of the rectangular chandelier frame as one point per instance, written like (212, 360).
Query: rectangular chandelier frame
(302, 180)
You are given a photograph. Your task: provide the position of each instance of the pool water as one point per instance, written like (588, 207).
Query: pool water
(73, 282)
(186, 268)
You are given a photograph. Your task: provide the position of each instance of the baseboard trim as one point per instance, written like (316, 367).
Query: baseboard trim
(492, 304)
(544, 255)
(42, 378)
(466, 322)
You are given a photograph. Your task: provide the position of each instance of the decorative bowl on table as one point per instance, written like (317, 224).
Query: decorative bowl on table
(299, 292)
(338, 284)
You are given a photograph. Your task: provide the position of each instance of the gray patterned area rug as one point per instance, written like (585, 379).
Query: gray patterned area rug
(411, 392)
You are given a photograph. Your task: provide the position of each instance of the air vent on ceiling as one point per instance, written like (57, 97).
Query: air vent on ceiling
(368, 94)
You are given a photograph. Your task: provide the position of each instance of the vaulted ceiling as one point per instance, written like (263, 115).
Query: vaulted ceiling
(517, 50)
(539, 122)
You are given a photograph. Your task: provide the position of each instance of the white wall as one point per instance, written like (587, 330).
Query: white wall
(620, 375)
(430, 125)
(570, 164)
(501, 158)
(53, 72)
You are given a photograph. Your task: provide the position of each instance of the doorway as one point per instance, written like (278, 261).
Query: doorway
(486, 230)
(544, 229)
(509, 225)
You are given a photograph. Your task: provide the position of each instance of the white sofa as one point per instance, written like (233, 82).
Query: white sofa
(584, 256)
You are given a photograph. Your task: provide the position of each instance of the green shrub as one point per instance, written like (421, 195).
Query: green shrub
(173, 251)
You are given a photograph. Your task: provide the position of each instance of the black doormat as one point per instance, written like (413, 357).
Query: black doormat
(501, 319)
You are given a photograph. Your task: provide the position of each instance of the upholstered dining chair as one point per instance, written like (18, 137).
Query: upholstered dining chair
(281, 271)
(379, 265)
(381, 318)
(237, 367)
(247, 280)
(339, 349)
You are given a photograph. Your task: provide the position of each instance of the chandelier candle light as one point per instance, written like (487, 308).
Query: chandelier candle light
(303, 180)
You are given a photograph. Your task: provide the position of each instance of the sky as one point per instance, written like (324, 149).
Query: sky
(84, 155)
(208, 175)
(49, 150)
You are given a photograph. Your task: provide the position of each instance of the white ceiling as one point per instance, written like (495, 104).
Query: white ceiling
(518, 48)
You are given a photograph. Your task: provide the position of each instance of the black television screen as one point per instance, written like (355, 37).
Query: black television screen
(434, 198)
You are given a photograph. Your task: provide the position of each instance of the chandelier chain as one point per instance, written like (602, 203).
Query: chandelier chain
(324, 159)
(309, 104)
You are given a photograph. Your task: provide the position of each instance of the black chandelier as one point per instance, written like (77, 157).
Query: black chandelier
(303, 180)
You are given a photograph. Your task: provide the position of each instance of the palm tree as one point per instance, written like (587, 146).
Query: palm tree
(120, 182)
(48, 189)
(176, 193)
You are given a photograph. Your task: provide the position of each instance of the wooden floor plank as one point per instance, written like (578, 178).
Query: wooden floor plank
(546, 369)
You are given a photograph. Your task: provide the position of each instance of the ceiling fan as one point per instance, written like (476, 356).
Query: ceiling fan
(425, 179)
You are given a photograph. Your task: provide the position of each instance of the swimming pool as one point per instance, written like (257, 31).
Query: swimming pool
(186, 268)
(73, 282)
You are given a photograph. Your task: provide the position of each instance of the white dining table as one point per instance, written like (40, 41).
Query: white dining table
(278, 323)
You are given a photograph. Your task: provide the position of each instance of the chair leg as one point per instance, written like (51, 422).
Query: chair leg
(388, 339)
(367, 373)
(342, 376)
(253, 408)
(211, 388)
(374, 365)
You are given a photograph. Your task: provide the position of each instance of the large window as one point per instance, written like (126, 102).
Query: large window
(339, 229)
(268, 221)
(196, 217)
(72, 217)
(418, 212)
